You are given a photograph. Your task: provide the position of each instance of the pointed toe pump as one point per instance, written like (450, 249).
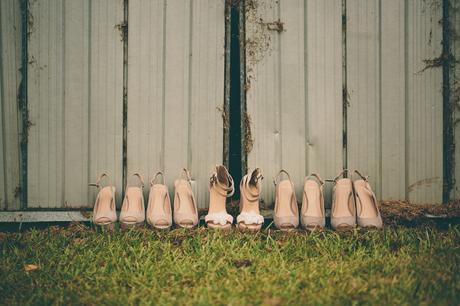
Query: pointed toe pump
(220, 187)
(312, 214)
(367, 209)
(133, 209)
(185, 209)
(343, 211)
(159, 213)
(286, 214)
(250, 218)
(104, 211)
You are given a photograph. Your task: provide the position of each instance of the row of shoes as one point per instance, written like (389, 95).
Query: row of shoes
(353, 203)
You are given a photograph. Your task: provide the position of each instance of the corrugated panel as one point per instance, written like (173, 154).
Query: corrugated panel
(424, 102)
(10, 78)
(394, 117)
(75, 93)
(455, 90)
(363, 83)
(393, 98)
(294, 89)
(176, 89)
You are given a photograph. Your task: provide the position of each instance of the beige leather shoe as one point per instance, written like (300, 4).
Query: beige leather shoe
(367, 208)
(286, 213)
(133, 209)
(104, 211)
(185, 210)
(220, 187)
(343, 212)
(312, 214)
(250, 218)
(159, 213)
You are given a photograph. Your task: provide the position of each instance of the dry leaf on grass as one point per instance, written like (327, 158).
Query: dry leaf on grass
(30, 267)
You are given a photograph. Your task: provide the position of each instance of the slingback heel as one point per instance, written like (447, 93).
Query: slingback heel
(312, 214)
(367, 209)
(343, 212)
(185, 209)
(104, 211)
(249, 218)
(220, 187)
(159, 213)
(133, 209)
(286, 214)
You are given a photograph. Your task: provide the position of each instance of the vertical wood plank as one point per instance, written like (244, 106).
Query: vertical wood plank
(424, 113)
(10, 78)
(324, 87)
(263, 86)
(75, 92)
(393, 107)
(363, 81)
(205, 147)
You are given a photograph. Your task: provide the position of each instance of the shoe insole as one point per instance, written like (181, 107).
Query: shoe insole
(247, 205)
(343, 200)
(134, 200)
(216, 202)
(313, 195)
(158, 204)
(285, 196)
(367, 208)
(185, 205)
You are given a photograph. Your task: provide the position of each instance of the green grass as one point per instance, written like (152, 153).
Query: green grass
(80, 266)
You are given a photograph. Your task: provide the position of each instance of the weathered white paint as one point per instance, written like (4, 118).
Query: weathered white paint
(394, 115)
(75, 94)
(424, 102)
(10, 78)
(176, 89)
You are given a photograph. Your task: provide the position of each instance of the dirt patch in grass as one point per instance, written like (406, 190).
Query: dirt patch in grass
(408, 214)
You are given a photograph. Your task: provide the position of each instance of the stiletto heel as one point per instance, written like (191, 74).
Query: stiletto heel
(343, 212)
(133, 209)
(104, 211)
(312, 214)
(249, 218)
(286, 214)
(367, 208)
(220, 187)
(159, 213)
(185, 210)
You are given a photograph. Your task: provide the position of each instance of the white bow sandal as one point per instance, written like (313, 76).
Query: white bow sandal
(159, 213)
(220, 187)
(250, 218)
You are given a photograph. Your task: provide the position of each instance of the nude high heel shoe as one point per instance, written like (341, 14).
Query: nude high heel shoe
(312, 214)
(343, 211)
(367, 209)
(159, 213)
(104, 211)
(185, 210)
(249, 218)
(286, 213)
(133, 209)
(220, 187)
